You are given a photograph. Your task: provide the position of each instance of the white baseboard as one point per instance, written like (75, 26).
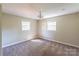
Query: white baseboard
(46, 39)
(66, 43)
(14, 43)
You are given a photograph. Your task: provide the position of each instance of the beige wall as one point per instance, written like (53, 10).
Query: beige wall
(0, 30)
(67, 29)
(12, 30)
(0, 23)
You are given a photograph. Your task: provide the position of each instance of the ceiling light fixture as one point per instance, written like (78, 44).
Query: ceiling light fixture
(40, 14)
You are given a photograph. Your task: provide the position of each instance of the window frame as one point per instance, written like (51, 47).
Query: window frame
(26, 25)
(53, 26)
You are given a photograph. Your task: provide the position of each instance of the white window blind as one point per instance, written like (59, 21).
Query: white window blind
(51, 25)
(25, 25)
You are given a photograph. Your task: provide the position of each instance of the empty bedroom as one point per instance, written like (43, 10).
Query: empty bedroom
(40, 29)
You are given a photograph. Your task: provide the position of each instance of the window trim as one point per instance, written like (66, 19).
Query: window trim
(28, 24)
(52, 25)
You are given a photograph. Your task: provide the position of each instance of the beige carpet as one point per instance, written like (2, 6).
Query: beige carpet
(40, 47)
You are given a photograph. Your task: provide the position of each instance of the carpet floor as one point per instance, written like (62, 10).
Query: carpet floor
(40, 47)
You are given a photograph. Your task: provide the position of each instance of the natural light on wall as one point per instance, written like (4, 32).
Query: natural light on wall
(25, 25)
(51, 25)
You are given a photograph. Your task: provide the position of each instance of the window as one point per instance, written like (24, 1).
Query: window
(25, 25)
(51, 25)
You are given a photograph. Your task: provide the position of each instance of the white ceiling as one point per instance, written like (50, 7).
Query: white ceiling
(48, 9)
